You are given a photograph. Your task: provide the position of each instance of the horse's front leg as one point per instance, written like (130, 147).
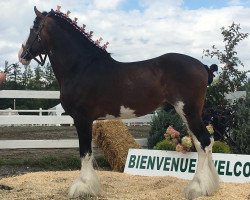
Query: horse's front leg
(87, 184)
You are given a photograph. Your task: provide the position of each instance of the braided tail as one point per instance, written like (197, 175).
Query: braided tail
(210, 70)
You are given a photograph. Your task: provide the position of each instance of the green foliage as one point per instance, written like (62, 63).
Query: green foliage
(160, 122)
(54, 162)
(27, 78)
(218, 110)
(165, 145)
(221, 147)
(230, 78)
(241, 132)
(49, 162)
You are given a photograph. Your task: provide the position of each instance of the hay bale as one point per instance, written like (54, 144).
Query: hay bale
(113, 137)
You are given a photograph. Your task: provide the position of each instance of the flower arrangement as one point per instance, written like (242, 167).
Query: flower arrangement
(183, 144)
(180, 144)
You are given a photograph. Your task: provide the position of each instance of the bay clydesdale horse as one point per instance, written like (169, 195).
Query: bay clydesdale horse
(93, 85)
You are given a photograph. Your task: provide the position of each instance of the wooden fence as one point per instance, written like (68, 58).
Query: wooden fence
(12, 118)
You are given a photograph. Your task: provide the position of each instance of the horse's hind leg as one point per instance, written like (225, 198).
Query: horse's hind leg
(206, 179)
(87, 184)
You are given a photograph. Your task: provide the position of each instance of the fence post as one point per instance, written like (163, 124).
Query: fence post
(40, 113)
(9, 109)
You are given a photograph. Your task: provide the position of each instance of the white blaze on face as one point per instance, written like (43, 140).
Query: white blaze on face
(23, 61)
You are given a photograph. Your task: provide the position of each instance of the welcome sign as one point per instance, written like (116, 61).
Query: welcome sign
(230, 167)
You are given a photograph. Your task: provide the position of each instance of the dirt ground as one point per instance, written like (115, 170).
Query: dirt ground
(55, 132)
(22, 183)
(55, 185)
(39, 133)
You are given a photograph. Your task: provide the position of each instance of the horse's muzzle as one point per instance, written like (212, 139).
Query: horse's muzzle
(23, 56)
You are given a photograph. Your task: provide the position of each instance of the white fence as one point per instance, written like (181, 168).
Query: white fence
(12, 118)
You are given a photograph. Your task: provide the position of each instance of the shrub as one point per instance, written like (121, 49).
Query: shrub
(221, 147)
(165, 145)
(241, 133)
(160, 122)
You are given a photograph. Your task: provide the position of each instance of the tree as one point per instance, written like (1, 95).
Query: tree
(27, 76)
(218, 110)
(241, 131)
(50, 79)
(13, 71)
(37, 82)
(230, 79)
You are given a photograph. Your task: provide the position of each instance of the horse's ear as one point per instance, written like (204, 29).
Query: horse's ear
(38, 13)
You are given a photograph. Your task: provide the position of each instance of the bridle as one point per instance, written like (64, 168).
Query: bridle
(38, 39)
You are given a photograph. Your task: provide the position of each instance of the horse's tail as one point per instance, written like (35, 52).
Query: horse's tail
(210, 70)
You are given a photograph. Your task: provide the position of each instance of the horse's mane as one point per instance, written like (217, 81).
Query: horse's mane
(72, 26)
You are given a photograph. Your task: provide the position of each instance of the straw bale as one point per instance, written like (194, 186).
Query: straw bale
(113, 137)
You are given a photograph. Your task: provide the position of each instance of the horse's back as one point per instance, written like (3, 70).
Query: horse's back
(182, 66)
(180, 60)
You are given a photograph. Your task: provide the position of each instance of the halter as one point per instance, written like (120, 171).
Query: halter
(37, 38)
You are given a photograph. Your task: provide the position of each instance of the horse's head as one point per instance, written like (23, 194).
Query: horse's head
(34, 46)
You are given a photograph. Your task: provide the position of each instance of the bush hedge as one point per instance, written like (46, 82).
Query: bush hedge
(160, 122)
(221, 147)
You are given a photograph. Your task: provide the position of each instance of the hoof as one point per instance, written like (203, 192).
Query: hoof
(201, 187)
(84, 188)
(87, 184)
(193, 191)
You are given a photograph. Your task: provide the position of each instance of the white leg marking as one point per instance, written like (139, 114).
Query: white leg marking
(87, 184)
(206, 179)
(179, 109)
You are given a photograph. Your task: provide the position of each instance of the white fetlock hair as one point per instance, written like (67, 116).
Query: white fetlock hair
(87, 184)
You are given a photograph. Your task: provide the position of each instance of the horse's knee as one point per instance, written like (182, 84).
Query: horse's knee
(87, 184)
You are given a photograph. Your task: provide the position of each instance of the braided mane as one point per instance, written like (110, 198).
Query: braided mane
(79, 29)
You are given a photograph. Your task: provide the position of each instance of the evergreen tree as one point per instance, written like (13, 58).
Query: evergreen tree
(13, 72)
(50, 79)
(241, 131)
(27, 76)
(37, 82)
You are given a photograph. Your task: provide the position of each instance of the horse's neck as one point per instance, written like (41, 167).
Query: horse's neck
(66, 53)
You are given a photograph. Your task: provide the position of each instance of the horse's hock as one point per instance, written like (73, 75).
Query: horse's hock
(114, 139)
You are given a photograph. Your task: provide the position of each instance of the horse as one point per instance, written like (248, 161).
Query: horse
(94, 86)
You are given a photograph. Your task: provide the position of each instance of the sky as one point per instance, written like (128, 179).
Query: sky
(136, 29)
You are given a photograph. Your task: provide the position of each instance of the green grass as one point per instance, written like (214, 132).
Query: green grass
(54, 163)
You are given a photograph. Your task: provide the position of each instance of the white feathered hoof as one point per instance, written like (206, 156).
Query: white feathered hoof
(193, 191)
(87, 184)
(83, 188)
(202, 185)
